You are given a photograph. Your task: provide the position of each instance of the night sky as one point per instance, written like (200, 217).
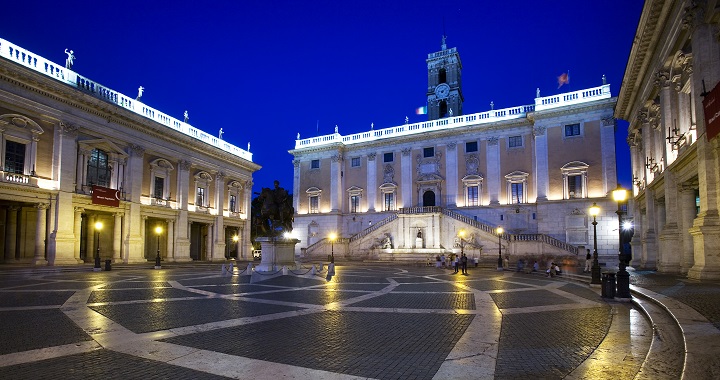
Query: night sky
(265, 71)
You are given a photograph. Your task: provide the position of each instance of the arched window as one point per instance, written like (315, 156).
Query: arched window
(442, 76)
(98, 170)
(443, 109)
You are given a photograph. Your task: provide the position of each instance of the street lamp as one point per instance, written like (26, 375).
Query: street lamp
(595, 211)
(623, 277)
(332, 238)
(98, 227)
(158, 232)
(500, 260)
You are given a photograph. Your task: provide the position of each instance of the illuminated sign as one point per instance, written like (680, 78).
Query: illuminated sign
(105, 196)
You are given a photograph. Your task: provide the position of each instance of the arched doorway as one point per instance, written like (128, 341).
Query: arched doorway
(428, 198)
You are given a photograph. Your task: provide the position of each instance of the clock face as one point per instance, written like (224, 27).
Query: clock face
(442, 91)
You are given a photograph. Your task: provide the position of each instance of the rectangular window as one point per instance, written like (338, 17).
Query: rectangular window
(233, 203)
(314, 204)
(515, 141)
(473, 196)
(471, 146)
(575, 186)
(517, 192)
(429, 152)
(572, 130)
(159, 187)
(354, 203)
(315, 164)
(14, 157)
(200, 197)
(388, 157)
(389, 201)
(355, 162)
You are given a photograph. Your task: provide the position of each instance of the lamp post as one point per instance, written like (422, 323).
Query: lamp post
(623, 277)
(158, 232)
(500, 260)
(595, 211)
(98, 227)
(332, 238)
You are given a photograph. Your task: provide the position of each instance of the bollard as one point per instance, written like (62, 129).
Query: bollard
(285, 270)
(312, 270)
(223, 271)
(331, 269)
(249, 268)
(608, 285)
(230, 269)
(108, 265)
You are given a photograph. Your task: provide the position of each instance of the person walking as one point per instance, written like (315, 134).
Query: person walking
(463, 261)
(588, 262)
(457, 263)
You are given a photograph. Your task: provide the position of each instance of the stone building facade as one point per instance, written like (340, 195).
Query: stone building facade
(673, 66)
(533, 169)
(75, 153)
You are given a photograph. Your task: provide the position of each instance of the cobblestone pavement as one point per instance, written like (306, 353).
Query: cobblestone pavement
(369, 321)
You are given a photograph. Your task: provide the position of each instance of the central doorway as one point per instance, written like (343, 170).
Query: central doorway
(429, 198)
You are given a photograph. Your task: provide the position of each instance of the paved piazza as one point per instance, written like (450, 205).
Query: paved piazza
(368, 321)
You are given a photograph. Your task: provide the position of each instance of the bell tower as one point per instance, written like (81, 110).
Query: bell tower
(444, 92)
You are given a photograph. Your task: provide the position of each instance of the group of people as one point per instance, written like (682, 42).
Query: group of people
(459, 262)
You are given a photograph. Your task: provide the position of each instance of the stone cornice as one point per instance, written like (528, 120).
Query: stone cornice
(46, 87)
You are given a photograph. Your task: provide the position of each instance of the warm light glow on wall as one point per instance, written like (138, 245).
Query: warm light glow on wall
(47, 184)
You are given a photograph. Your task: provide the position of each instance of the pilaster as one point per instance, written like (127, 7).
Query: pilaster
(493, 165)
(542, 182)
(371, 182)
(451, 172)
(406, 175)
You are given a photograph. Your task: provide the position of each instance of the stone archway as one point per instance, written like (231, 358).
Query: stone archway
(428, 198)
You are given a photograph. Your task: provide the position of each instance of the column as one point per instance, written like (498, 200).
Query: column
(182, 232)
(247, 244)
(636, 241)
(607, 150)
(451, 172)
(117, 237)
(649, 254)
(336, 183)
(686, 206)
(669, 257)
(134, 251)
(406, 177)
(371, 182)
(219, 226)
(77, 230)
(542, 181)
(82, 157)
(40, 233)
(493, 169)
(61, 240)
(209, 254)
(90, 238)
(170, 255)
(706, 227)
(143, 227)
(296, 185)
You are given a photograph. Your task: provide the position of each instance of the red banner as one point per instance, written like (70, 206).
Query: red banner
(105, 196)
(711, 105)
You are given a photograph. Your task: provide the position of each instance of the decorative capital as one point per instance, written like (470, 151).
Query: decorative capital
(220, 176)
(137, 150)
(451, 145)
(539, 131)
(607, 122)
(296, 163)
(662, 79)
(492, 141)
(42, 206)
(69, 130)
(79, 210)
(336, 158)
(371, 156)
(184, 165)
(406, 151)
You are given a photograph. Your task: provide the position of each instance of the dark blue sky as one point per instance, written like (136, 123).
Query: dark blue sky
(267, 70)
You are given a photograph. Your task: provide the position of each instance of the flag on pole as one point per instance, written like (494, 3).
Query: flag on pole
(421, 110)
(564, 79)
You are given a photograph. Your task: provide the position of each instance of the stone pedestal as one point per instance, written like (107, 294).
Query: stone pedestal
(276, 253)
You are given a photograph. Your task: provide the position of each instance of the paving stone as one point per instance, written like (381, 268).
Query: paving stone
(139, 294)
(527, 299)
(24, 298)
(464, 301)
(315, 297)
(377, 345)
(100, 364)
(22, 330)
(167, 315)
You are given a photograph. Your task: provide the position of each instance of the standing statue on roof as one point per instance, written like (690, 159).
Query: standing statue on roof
(70, 59)
(140, 92)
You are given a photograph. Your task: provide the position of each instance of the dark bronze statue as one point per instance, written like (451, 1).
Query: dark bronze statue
(276, 211)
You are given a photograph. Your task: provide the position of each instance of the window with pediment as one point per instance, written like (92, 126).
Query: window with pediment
(575, 180)
(202, 189)
(313, 195)
(516, 187)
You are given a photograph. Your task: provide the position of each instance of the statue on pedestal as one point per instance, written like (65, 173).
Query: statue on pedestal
(276, 211)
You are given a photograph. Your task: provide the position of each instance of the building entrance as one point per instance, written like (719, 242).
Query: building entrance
(429, 198)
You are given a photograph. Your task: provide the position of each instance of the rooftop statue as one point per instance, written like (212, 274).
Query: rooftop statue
(70, 59)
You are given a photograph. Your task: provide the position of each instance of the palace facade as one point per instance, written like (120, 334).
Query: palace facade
(447, 184)
(673, 69)
(88, 171)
